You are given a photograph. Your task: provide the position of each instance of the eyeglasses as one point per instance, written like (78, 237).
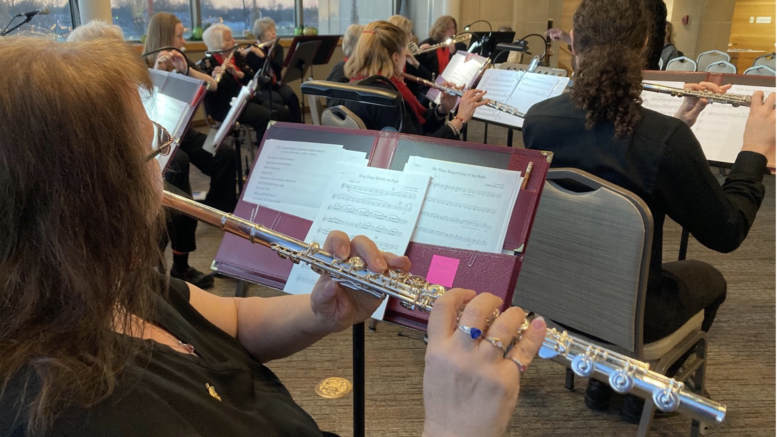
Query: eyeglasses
(163, 142)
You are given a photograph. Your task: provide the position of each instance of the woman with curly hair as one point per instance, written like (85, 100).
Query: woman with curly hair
(602, 128)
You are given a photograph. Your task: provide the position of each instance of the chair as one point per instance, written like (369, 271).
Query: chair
(721, 67)
(587, 267)
(706, 58)
(767, 59)
(681, 63)
(316, 108)
(761, 70)
(340, 116)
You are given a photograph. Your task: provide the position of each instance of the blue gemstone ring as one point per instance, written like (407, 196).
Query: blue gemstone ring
(474, 333)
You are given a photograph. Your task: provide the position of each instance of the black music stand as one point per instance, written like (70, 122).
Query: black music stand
(371, 96)
(324, 52)
(299, 59)
(484, 43)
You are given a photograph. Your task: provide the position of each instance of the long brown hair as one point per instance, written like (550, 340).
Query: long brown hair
(609, 39)
(77, 242)
(379, 41)
(439, 27)
(160, 33)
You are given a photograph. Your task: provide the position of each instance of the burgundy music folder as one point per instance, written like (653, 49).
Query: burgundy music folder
(480, 271)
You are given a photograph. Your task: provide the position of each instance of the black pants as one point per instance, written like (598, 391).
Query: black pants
(221, 195)
(284, 95)
(687, 287)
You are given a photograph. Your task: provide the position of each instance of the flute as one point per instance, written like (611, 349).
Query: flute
(458, 93)
(415, 50)
(227, 60)
(625, 375)
(734, 100)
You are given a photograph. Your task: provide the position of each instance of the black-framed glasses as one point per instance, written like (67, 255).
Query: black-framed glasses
(163, 142)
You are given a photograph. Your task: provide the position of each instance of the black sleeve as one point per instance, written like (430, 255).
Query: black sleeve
(276, 63)
(437, 128)
(718, 217)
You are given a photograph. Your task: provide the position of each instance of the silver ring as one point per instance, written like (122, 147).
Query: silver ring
(521, 366)
(497, 342)
(473, 333)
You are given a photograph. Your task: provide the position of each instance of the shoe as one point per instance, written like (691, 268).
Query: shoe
(597, 395)
(631, 411)
(193, 276)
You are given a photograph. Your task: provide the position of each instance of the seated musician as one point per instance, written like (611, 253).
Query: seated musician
(238, 72)
(381, 50)
(282, 94)
(166, 30)
(96, 343)
(412, 67)
(601, 127)
(435, 61)
(350, 39)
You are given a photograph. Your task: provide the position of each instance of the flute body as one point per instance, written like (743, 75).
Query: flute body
(625, 375)
(227, 60)
(734, 100)
(458, 93)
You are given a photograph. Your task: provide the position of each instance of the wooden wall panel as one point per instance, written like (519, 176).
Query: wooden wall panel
(745, 35)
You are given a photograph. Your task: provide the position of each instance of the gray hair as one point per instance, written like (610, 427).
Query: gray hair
(262, 25)
(95, 29)
(213, 37)
(351, 37)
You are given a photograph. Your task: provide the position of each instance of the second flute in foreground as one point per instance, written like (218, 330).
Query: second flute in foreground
(729, 99)
(625, 375)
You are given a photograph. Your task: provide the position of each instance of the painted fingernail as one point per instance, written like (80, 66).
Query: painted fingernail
(538, 323)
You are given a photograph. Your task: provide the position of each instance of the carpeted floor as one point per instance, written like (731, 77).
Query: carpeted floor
(741, 368)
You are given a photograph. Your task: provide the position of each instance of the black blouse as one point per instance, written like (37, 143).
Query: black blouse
(165, 393)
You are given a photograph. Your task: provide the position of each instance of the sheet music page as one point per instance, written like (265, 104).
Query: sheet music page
(517, 89)
(720, 127)
(467, 206)
(460, 72)
(171, 113)
(291, 176)
(663, 103)
(382, 204)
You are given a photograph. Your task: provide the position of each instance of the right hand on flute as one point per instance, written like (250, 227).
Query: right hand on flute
(759, 134)
(168, 60)
(558, 34)
(692, 106)
(470, 386)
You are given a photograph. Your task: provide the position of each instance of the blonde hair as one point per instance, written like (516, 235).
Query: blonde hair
(262, 25)
(351, 37)
(440, 25)
(73, 171)
(160, 33)
(213, 37)
(402, 22)
(95, 29)
(378, 43)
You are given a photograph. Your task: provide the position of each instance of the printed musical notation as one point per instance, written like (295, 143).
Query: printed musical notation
(373, 202)
(477, 216)
(386, 211)
(378, 191)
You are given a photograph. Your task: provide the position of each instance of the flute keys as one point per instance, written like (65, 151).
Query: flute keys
(621, 381)
(583, 365)
(356, 263)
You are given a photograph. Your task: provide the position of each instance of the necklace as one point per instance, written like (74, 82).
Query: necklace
(185, 346)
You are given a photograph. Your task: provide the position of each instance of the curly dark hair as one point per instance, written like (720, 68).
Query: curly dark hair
(609, 41)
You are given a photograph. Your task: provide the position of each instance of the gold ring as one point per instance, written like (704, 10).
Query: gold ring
(497, 342)
(521, 366)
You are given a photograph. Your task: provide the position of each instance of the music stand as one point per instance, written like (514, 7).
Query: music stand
(371, 96)
(299, 59)
(324, 53)
(487, 48)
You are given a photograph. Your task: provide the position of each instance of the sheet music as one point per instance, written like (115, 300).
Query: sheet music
(459, 71)
(529, 89)
(382, 204)
(172, 114)
(467, 206)
(291, 176)
(663, 103)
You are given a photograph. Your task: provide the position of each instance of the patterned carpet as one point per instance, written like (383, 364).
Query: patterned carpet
(741, 368)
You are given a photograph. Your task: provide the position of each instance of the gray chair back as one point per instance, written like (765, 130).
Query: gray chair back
(721, 67)
(706, 58)
(767, 60)
(760, 70)
(681, 63)
(586, 262)
(340, 116)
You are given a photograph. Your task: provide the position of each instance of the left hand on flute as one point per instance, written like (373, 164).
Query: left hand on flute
(692, 106)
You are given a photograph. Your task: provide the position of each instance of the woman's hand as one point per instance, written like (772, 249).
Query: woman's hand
(252, 49)
(470, 101)
(447, 101)
(410, 59)
(692, 106)
(759, 134)
(557, 34)
(336, 307)
(163, 61)
(470, 385)
(217, 72)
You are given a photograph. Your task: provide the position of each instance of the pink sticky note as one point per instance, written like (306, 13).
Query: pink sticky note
(442, 270)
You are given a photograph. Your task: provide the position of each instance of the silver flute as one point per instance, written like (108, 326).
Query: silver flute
(734, 100)
(458, 93)
(625, 375)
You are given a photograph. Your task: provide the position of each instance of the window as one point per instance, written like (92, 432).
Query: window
(57, 23)
(334, 16)
(240, 15)
(133, 15)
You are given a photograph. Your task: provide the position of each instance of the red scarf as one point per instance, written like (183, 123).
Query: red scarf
(443, 57)
(221, 62)
(407, 95)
